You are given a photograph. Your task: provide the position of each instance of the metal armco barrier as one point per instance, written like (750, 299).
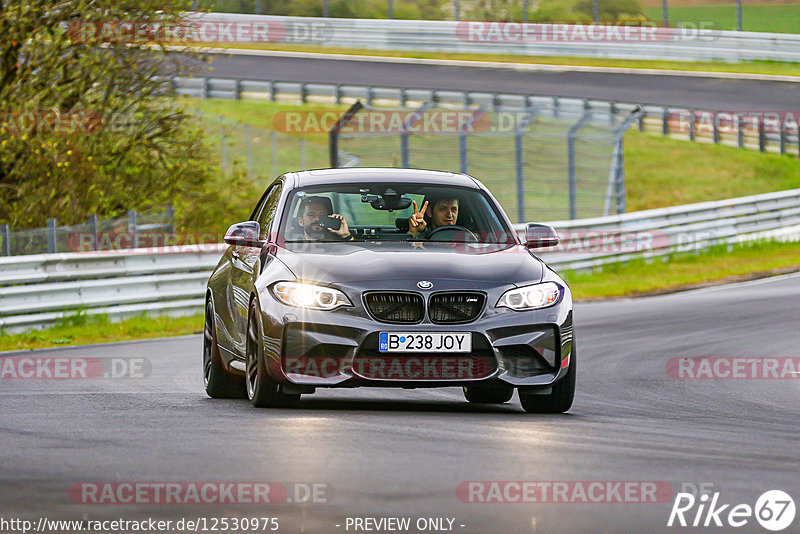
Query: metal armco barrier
(474, 37)
(37, 290)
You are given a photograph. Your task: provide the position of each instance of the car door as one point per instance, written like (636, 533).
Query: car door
(245, 266)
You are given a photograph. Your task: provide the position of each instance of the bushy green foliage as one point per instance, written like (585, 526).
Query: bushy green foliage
(84, 123)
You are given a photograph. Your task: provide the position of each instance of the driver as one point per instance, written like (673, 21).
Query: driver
(442, 212)
(312, 210)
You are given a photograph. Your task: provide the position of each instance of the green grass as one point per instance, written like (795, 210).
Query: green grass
(775, 18)
(686, 270)
(83, 329)
(751, 67)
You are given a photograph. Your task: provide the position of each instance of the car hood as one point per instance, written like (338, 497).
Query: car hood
(342, 262)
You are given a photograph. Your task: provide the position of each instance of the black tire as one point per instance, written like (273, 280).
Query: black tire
(218, 382)
(560, 399)
(484, 395)
(262, 391)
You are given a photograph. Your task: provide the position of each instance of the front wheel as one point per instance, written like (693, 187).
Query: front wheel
(560, 399)
(218, 383)
(262, 391)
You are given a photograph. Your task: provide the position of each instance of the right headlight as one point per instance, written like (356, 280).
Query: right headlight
(309, 296)
(530, 297)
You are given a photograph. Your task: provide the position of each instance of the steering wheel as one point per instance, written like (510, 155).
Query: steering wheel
(446, 233)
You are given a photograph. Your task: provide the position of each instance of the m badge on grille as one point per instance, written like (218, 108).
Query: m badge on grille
(424, 284)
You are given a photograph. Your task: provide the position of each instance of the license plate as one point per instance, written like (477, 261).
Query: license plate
(425, 342)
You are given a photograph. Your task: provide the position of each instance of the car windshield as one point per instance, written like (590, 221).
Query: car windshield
(377, 213)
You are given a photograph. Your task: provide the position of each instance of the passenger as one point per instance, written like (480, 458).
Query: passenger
(312, 210)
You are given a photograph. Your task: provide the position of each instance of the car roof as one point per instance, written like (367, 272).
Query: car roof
(381, 175)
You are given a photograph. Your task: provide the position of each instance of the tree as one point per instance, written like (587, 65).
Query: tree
(85, 123)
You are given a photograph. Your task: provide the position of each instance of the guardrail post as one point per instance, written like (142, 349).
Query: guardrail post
(665, 121)
(465, 99)
(274, 153)
(692, 119)
(337, 94)
(132, 224)
(403, 97)
(272, 91)
(496, 102)
(237, 89)
(520, 168)
(612, 113)
(206, 88)
(463, 151)
(51, 236)
(303, 93)
(739, 131)
(762, 135)
(641, 120)
(91, 225)
(555, 107)
(369, 95)
(5, 234)
(716, 128)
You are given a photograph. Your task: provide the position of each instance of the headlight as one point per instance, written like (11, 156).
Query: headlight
(309, 296)
(530, 297)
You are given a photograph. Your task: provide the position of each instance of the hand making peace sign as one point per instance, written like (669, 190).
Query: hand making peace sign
(416, 223)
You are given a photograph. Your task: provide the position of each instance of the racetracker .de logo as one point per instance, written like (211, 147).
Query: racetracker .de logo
(734, 368)
(571, 492)
(72, 368)
(515, 32)
(204, 31)
(433, 121)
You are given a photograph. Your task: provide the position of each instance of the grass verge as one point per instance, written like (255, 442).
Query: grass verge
(746, 67)
(686, 270)
(774, 18)
(82, 330)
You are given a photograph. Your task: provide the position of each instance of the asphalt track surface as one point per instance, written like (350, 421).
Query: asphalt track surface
(404, 452)
(708, 93)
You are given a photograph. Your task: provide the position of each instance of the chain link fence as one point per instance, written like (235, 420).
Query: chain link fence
(541, 163)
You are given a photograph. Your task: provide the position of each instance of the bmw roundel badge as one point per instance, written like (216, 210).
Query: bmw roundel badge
(424, 284)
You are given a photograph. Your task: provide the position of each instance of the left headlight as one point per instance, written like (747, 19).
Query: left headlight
(309, 296)
(530, 297)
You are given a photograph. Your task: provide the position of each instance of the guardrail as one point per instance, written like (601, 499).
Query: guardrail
(38, 290)
(622, 42)
(766, 131)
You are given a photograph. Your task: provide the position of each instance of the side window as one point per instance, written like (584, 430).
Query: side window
(268, 210)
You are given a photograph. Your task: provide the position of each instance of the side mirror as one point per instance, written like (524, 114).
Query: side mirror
(244, 234)
(540, 236)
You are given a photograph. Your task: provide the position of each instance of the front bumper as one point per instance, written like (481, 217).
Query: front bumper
(531, 349)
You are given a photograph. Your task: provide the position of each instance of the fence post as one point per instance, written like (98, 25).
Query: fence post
(369, 95)
(665, 121)
(762, 135)
(620, 177)
(248, 145)
(520, 167)
(692, 119)
(169, 213)
(274, 153)
(303, 93)
(716, 128)
(783, 137)
(91, 224)
(5, 233)
(641, 121)
(205, 87)
(272, 91)
(132, 224)
(556, 104)
(337, 93)
(739, 131)
(573, 179)
(465, 99)
(612, 112)
(237, 89)
(223, 152)
(51, 236)
(404, 150)
(463, 151)
(495, 102)
(302, 153)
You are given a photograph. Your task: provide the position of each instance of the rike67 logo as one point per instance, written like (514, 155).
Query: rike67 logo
(774, 510)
